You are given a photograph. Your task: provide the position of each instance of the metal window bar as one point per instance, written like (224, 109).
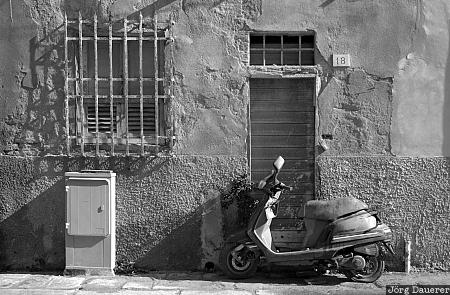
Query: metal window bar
(125, 83)
(100, 38)
(171, 86)
(141, 86)
(155, 31)
(66, 85)
(156, 65)
(111, 88)
(130, 96)
(80, 75)
(81, 96)
(97, 149)
(114, 79)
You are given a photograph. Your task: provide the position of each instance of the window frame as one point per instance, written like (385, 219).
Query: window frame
(282, 49)
(80, 98)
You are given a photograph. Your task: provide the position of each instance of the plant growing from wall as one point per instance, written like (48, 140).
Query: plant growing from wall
(240, 193)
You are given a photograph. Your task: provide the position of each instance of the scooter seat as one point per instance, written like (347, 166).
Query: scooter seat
(330, 210)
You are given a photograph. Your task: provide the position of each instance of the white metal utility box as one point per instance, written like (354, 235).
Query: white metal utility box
(90, 222)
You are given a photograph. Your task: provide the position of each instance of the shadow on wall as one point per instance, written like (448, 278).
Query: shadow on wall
(42, 130)
(181, 249)
(32, 213)
(152, 232)
(87, 8)
(106, 10)
(32, 238)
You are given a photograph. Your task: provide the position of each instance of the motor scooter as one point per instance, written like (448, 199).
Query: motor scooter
(341, 234)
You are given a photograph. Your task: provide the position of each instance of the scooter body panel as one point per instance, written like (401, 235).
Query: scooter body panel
(319, 231)
(327, 237)
(320, 253)
(330, 210)
(359, 222)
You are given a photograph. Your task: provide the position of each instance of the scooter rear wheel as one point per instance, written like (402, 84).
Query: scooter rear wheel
(372, 271)
(235, 266)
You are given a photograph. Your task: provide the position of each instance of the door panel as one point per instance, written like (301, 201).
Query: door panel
(273, 116)
(291, 153)
(87, 207)
(278, 128)
(282, 115)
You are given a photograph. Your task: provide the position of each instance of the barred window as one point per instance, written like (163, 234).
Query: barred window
(115, 86)
(282, 49)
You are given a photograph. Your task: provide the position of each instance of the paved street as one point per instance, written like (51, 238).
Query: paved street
(205, 283)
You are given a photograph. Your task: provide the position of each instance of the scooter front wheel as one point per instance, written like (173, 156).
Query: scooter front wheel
(372, 271)
(236, 264)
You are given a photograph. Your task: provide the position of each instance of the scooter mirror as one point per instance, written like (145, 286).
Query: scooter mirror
(278, 164)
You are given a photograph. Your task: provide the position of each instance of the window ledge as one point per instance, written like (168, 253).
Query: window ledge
(284, 71)
(103, 139)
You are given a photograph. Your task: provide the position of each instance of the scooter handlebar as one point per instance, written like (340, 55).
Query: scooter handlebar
(263, 182)
(285, 187)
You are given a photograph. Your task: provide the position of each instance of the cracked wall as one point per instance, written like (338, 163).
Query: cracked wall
(388, 116)
(356, 109)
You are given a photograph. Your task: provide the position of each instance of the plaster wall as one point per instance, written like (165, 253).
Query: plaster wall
(389, 109)
(411, 195)
(160, 206)
(421, 94)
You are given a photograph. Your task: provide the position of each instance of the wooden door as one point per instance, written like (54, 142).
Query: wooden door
(282, 124)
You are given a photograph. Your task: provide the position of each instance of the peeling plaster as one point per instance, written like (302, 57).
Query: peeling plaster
(421, 105)
(357, 112)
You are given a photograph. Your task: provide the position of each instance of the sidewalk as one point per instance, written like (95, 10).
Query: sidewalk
(205, 283)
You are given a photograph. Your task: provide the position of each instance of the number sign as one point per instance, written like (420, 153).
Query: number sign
(341, 60)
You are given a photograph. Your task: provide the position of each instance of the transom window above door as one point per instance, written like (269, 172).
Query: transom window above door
(282, 49)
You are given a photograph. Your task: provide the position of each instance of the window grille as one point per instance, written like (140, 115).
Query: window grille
(116, 85)
(282, 49)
